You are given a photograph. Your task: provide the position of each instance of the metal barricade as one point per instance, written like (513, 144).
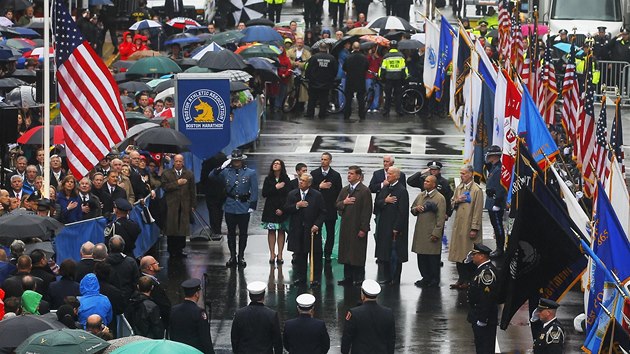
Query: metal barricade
(614, 75)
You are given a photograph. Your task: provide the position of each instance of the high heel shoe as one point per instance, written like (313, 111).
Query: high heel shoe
(279, 261)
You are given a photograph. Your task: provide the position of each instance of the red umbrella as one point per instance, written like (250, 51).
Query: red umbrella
(35, 136)
(285, 32)
(183, 22)
(37, 52)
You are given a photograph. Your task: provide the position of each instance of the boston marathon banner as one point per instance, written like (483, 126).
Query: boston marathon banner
(203, 111)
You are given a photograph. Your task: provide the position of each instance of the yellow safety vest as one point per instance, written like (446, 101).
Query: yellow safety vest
(394, 64)
(595, 74)
(337, 1)
(277, 2)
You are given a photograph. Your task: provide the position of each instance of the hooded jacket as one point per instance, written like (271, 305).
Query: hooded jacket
(92, 302)
(30, 302)
(126, 48)
(144, 316)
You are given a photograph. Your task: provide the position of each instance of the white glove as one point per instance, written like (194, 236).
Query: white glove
(250, 210)
(496, 208)
(226, 163)
(579, 195)
(567, 150)
(481, 324)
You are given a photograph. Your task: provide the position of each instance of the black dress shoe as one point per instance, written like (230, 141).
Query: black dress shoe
(242, 263)
(231, 263)
(420, 283)
(344, 282)
(315, 284)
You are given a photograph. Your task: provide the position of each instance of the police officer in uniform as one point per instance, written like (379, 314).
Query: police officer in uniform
(305, 334)
(620, 47)
(550, 335)
(483, 310)
(321, 71)
(241, 186)
(434, 168)
(256, 327)
(393, 70)
(370, 327)
(495, 201)
(600, 44)
(188, 322)
(121, 225)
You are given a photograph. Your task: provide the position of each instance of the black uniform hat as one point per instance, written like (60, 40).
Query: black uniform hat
(563, 31)
(546, 304)
(434, 165)
(601, 28)
(43, 204)
(479, 248)
(494, 150)
(122, 204)
(35, 196)
(191, 286)
(238, 155)
(482, 23)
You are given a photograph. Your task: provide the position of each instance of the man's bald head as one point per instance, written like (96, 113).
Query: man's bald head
(356, 46)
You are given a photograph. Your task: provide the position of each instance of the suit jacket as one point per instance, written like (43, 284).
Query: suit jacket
(303, 219)
(84, 266)
(169, 8)
(256, 329)
(53, 181)
(306, 335)
(379, 176)
(95, 206)
(369, 328)
(140, 189)
(330, 195)
(294, 184)
(108, 203)
(13, 194)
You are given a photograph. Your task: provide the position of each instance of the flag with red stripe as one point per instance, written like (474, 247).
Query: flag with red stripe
(585, 136)
(601, 161)
(91, 112)
(571, 98)
(504, 29)
(518, 46)
(547, 88)
(616, 137)
(513, 99)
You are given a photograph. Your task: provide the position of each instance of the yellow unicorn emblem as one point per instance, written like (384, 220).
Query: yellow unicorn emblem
(207, 113)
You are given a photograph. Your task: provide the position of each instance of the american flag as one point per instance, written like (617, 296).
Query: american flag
(92, 116)
(518, 46)
(586, 140)
(504, 29)
(616, 136)
(571, 99)
(600, 160)
(547, 88)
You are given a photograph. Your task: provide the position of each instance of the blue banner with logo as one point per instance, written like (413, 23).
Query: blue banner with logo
(203, 112)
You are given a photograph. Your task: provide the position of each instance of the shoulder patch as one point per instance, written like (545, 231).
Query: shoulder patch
(487, 276)
(554, 335)
(348, 315)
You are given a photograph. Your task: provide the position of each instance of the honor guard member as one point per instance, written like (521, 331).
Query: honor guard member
(496, 197)
(241, 186)
(305, 334)
(394, 71)
(483, 310)
(434, 168)
(121, 225)
(600, 44)
(619, 47)
(188, 322)
(549, 337)
(256, 327)
(369, 328)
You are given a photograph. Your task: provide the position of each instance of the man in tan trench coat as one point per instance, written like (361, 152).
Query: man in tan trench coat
(468, 205)
(430, 208)
(354, 205)
(180, 194)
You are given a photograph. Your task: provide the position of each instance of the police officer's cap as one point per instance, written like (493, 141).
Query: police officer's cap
(43, 204)
(122, 204)
(434, 165)
(393, 44)
(479, 248)
(563, 31)
(483, 23)
(546, 304)
(494, 150)
(370, 288)
(601, 28)
(624, 31)
(256, 287)
(237, 154)
(35, 196)
(305, 301)
(191, 286)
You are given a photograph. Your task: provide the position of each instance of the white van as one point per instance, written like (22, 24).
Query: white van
(200, 10)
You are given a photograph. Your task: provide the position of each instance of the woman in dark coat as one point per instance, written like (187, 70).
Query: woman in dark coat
(275, 190)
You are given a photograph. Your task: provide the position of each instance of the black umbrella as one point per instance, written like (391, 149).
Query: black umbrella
(11, 82)
(346, 39)
(260, 22)
(367, 45)
(238, 86)
(14, 331)
(223, 60)
(21, 224)
(135, 86)
(162, 140)
(410, 44)
(16, 5)
(126, 64)
(119, 77)
(164, 85)
(186, 62)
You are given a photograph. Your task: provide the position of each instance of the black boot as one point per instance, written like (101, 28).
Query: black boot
(231, 263)
(241, 262)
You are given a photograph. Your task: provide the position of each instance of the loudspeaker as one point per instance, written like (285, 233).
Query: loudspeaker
(8, 122)
(39, 93)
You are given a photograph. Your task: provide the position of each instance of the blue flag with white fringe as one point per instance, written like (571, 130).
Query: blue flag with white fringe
(445, 56)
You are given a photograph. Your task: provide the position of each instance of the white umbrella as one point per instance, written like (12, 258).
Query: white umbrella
(212, 47)
(248, 9)
(22, 96)
(145, 24)
(169, 92)
(420, 37)
(237, 75)
(5, 22)
(391, 23)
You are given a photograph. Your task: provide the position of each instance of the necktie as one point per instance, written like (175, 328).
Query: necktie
(85, 198)
(351, 189)
(179, 174)
(111, 190)
(303, 195)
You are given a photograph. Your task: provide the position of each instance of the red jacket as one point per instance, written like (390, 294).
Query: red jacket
(284, 69)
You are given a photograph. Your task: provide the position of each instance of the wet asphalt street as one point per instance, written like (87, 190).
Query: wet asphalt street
(427, 320)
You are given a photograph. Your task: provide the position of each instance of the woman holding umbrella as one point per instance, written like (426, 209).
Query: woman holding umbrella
(69, 201)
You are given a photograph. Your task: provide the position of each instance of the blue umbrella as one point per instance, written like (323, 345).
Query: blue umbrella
(25, 32)
(262, 34)
(566, 47)
(261, 64)
(182, 38)
(145, 24)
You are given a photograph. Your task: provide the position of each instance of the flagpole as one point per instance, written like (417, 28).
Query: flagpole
(46, 102)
